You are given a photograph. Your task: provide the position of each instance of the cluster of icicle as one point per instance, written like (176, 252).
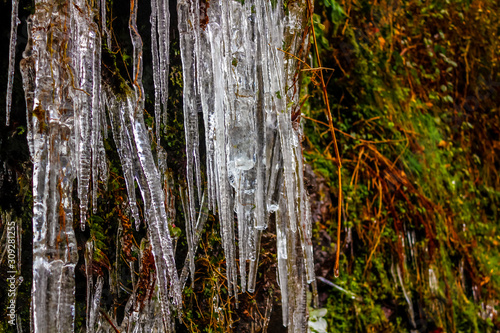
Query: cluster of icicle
(62, 78)
(237, 77)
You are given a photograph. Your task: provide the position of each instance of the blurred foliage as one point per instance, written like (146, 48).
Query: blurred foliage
(414, 92)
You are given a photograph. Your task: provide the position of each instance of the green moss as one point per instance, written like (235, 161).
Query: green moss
(111, 75)
(417, 171)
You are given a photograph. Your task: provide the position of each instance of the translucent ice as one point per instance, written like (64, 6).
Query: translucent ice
(236, 75)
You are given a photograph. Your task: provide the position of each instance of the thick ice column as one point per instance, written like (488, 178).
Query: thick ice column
(47, 83)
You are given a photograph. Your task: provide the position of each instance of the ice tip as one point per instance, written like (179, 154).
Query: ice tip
(83, 217)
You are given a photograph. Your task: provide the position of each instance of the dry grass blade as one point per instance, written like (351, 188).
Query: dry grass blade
(334, 139)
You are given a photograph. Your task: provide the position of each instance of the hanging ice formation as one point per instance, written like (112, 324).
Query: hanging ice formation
(12, 58)
(62, 82)
(237, 75)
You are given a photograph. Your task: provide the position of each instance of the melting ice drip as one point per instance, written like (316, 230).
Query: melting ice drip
(243, 84)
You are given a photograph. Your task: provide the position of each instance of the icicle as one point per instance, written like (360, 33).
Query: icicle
(84, 63)
(187, 46)
(236, 76)
(260, 204)
(89, 253)
(296, 292)
(138, 105)
(94, 306)
(132, 123)
(242, 236)
(12, 57)
(97, 148)
(411, 313)
(205, 90)
(145, 309)
(163, 29)
(27, 68)
(274, 172)
(103, 24)
(222, 178)
(137, 58)
(123, 142)
(254, 263)
(331, 284)
(156, 68)
(433, 282)
(189, 233)
(282, 261)
(305, 225)
(200, 224)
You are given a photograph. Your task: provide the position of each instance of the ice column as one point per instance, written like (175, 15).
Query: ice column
(46, 70)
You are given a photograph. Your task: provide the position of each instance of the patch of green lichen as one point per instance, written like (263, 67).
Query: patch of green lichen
(112, 75)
